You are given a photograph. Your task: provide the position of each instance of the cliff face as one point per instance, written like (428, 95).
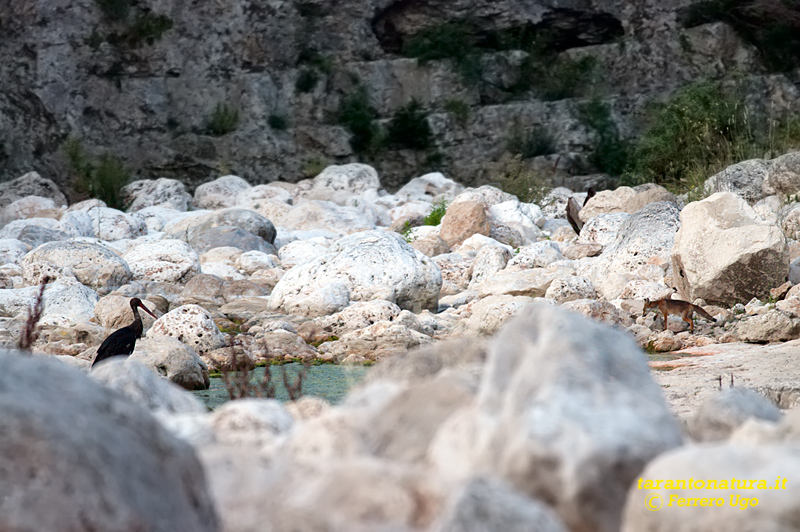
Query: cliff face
(141, 79)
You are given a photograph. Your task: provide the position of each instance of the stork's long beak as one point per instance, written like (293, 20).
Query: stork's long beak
(147, 310)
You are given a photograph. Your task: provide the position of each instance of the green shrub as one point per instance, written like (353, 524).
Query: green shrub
(358, 116)
(223, 120)
(147, 28)
(278, 122)
(313, 167)
(702, 130)
(102, 178)
(409, 127)
(531, 143)
(438, 211)
(554, 76)
(610, 153)
(516, 177)
(459, 109)
(703, 126)
(454, 41)
(306, 80)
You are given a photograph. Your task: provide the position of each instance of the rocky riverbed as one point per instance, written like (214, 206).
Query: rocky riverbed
(511, 388)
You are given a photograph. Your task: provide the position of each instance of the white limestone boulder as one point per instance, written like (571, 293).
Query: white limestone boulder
(12, 250)
(249, 197)
(429, 188)
(374, 342)
(354, 177)
(554, 430)
(487, 504)
(746, 179)
(515, 212)
(252, 261)
(169, 261)
(538, 255)
(647, 233)
(532, 282)
(156, 217)
(93, 265)
(456, 271)
(725, 253)
(788, 219)
(357, 316)
(151, 192)
(489, 313)
(30, 184)
(109, 465)
(602, 229)
(601, 311)
(190, 228)
(570, 288)
(250, 420)
(27, 207)
(369, 265)
(487, 195)
(144, 384)
(13, 229)
(606, 202)
(76, 223)
(16, 301)
(192, 325)
(783, 176)
(471, 246)
(326, 215)
(173, 360)
(220, 193)
(111, 224)
(303, 251)
(722, 413)
(489, 261)
(67, 305)
(763, 465)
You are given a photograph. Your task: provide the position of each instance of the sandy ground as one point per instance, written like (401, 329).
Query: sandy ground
(773, 370)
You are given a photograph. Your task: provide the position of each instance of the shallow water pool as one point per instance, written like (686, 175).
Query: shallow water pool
(329, 381)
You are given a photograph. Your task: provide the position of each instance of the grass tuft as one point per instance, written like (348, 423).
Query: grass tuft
(223, 119)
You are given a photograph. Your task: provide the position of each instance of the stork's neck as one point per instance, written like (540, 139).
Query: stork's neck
(137, 323)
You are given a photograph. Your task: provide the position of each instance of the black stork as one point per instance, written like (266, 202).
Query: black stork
(122, 341)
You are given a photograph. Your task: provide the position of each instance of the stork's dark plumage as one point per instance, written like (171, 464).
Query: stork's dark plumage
(122, 341)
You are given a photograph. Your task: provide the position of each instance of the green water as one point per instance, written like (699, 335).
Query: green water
(329, 381)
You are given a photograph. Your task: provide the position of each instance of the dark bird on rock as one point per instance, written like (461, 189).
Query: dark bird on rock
(122, 341)
(573, 208)
(590, 193)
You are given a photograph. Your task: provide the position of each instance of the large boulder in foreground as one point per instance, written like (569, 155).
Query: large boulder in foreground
(776, 510)
(568, 412)
(77, 456)
(370, 265)
(725, 253)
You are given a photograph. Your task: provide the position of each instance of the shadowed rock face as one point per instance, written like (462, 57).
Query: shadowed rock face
(149, 100)
(77, 456)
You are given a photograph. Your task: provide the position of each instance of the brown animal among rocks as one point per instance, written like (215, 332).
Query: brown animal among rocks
(684, 309)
